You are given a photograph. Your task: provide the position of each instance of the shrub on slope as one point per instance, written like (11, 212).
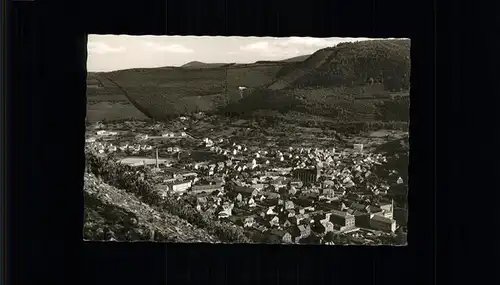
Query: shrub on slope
(124, 177)
(114, 212)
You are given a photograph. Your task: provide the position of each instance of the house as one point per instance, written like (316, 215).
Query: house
(251, 203)
(296, 183)
(333, 205)
(275, 221)
(289, 205)
(189, 175)
(307, 175)
(317, 215)
(279, 183)
(270, 211)
(244, 191)
(206, 188)
(291, 213)
(327, 225)
(301, 218)
(374, 210)
(287, 223)
(358, 147)
(328, 184)
(179, 186)
(142, 137)
(249, 221)
(168, 135)
(226, 210)
(382, 223)
(358, 206)
(328, 192)
(342, 219)
(279, 236)
(239, 197)
(299, 232)
(201, 200)
(387, 209)
(309, 209)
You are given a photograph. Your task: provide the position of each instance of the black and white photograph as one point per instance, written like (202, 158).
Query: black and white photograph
(262, 140)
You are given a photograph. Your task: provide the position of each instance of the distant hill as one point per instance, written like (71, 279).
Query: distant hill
(297, 58)
(325, 82)
(293, 59)
(199, 64)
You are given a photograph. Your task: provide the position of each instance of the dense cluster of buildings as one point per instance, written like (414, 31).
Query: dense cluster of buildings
(285, 195)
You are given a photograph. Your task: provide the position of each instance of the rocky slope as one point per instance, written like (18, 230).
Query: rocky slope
(113, 214)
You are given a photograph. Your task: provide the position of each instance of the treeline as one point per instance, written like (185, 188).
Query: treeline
(275, 119)
(123, 177)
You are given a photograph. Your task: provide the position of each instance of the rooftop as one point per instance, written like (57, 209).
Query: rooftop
(383, 219)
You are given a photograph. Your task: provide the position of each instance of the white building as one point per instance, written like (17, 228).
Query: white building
(400, 180)
(358, 147)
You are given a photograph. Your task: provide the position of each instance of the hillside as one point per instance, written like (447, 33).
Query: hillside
(105, 101)
(114, 213)
(326, 82)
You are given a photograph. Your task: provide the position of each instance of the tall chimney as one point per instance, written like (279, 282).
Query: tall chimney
(156, 157)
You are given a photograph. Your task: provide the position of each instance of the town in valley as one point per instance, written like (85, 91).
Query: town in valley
(266, 176)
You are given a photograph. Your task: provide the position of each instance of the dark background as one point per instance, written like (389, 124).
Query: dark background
(45, 142)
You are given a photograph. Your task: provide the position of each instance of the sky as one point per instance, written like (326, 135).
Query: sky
(115, 52)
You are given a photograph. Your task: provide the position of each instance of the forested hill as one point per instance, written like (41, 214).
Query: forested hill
(353, 64)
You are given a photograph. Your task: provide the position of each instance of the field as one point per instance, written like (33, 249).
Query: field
(113, 111)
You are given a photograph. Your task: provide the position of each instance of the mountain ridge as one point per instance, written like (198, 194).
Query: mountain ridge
(350, 69)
